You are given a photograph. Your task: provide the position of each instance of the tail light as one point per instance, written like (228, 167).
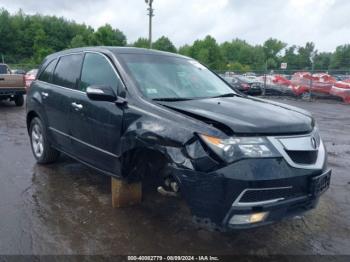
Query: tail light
(27, 82)
(24, 81)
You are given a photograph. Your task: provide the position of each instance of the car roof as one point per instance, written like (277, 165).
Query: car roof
(115, 51)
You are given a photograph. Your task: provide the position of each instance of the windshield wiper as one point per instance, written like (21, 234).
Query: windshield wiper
(171, 99)
(225, 95)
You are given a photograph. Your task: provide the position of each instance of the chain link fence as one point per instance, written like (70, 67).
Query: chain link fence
(299, 84)
(319, 84)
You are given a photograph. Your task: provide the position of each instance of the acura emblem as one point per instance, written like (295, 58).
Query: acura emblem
(313, 143)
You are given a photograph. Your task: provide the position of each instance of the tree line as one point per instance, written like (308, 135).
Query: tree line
(27, 39)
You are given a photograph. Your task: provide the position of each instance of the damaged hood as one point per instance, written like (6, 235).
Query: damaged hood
(247, 115)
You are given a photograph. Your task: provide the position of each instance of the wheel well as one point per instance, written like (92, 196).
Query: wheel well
(30, 116)
(144, 162)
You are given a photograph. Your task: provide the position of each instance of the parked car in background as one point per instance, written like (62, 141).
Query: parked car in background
(238, 161)
(12, 86)
(249, 85)
(341, 77)
(341, 89)
(277, 85)
(18, 71)
(30, 77)
(319, 84)
(249, 74)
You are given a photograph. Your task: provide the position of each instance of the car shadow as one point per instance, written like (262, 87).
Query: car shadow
(74, 201)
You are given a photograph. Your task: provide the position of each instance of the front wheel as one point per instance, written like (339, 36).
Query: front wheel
(42, 150)
(19, 100)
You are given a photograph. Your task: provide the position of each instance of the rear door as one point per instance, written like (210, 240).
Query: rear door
(58, 95)
(96, 126)
(43, 87)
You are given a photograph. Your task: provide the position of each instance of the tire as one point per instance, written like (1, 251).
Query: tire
(41, 148)
(19, 100)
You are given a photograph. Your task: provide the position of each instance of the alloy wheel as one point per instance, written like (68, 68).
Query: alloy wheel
(37, 141)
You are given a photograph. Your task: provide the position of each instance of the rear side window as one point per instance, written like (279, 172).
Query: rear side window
(98, 71)
(46, 75)
(68, 71)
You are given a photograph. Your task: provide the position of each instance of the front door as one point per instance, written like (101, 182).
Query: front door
(96, 126)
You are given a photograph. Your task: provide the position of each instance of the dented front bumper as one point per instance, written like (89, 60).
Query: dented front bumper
(246, 187)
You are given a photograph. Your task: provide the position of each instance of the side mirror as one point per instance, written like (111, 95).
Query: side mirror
(101, 93)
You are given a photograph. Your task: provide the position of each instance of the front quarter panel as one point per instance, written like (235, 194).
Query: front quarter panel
(157, 128)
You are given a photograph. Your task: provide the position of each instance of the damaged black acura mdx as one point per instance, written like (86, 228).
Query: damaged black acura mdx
(238, 161)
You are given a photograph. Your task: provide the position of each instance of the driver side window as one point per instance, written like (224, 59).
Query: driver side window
(97, 71)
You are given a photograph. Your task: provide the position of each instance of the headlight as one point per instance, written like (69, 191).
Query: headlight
(236, 148)
(317, 136)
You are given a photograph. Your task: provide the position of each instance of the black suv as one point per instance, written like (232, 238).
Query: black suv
(238, 161)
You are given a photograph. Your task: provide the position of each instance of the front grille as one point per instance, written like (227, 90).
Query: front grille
(269, 194)
(303, 157)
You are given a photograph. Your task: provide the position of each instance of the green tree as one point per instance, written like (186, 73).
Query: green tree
(304, 55)
(341, 58)
(141, 43)
(239, 51)
(272, 49)
(232, 50)
(291, 57)
(40, 47)
(323, 61)
(185, 50)
(29, 38)
(164, 44)
(7, 35)
(77, 41)
(208, 52)
(106, 35)
(238, 67)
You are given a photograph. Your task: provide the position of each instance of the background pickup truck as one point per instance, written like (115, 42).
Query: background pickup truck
(12, 86)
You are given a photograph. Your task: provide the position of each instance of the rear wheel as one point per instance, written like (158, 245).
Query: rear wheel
(19, 100)
(42, 150)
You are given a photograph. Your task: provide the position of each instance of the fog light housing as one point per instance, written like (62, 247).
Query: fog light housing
(248, 218)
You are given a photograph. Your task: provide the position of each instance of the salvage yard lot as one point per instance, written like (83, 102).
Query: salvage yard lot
(65, 208)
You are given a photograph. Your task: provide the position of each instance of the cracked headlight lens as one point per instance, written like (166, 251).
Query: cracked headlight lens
(236, 148)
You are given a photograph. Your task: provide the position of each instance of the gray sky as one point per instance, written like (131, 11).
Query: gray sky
(325, 22)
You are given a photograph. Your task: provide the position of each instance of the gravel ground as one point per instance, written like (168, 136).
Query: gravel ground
(65, 208)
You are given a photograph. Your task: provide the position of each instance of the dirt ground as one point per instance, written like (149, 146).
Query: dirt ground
(65, 208)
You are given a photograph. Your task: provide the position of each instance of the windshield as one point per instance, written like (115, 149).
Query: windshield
(166, 77)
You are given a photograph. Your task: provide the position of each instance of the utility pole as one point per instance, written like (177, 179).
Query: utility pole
(265, 80)
(150, 14)
(312, 60)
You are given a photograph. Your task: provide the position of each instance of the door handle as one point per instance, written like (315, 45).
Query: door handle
(77, 107)
(44, 94)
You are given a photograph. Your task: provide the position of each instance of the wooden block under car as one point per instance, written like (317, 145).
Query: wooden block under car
(125, 194)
